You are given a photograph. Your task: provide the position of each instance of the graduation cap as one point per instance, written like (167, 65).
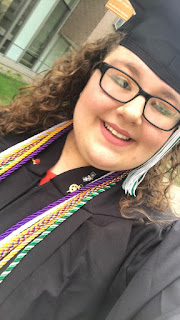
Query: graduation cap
(153, 34)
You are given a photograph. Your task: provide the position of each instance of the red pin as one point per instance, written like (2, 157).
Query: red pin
(35, 161)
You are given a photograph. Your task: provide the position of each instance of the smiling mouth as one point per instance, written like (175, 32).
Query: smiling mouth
(115, 133)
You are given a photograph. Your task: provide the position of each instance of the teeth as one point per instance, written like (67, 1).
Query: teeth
(115, 133)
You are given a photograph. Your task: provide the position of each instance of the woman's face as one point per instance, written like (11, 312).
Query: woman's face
(103, 126)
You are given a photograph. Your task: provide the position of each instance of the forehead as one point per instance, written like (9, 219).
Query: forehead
(124, 55)
(125, 59)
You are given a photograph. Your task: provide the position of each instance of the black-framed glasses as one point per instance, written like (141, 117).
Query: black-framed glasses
(123, 88)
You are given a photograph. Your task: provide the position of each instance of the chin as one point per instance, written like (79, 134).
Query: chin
(105, 164)
(109, 165)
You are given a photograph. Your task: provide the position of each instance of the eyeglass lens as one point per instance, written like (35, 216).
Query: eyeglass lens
(122, 88)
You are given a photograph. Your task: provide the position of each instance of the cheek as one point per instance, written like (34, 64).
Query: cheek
(153, 138)
(93, 99)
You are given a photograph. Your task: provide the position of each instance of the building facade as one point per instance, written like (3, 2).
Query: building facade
(33, 33)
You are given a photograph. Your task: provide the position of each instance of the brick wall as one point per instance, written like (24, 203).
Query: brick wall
(84, 19)
(105, 26)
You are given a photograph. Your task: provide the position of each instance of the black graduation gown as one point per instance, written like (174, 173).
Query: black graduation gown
(96, 265)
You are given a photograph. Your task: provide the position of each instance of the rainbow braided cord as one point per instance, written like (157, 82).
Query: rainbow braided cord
(59, 215)
(36, 228)
(27, 233)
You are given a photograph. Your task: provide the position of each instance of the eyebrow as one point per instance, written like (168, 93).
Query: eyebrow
(132, 68)
(128, 65)
(166, 94)
(169, 95)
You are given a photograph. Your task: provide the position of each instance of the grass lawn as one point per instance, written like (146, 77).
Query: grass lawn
(9, 87)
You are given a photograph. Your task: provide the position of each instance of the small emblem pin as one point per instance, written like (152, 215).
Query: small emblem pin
(90, 177)
(73, 187)
(35, 161)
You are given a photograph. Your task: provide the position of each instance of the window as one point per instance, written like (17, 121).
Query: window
(61, 46)
(12, 20)
(69, 2)
(44, 35)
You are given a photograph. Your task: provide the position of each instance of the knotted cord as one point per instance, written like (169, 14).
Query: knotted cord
(27, 233)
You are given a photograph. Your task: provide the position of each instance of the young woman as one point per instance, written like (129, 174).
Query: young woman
(73, 245)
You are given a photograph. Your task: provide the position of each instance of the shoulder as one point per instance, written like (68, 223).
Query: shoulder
(161, 217)
(172, 244)
(166, 277)
(11, 139)
(166, 271)
(156, 285)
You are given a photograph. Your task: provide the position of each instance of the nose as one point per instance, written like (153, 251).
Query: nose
(132, 111)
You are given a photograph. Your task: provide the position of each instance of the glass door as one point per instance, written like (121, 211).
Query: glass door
(14, 13)
(61, 46)
(44, 35)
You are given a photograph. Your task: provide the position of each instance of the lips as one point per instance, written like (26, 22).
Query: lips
(121, 134)
(113, 134)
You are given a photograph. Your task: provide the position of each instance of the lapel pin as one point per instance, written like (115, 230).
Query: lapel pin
(90, 177)
(73, 187)
(35, 161)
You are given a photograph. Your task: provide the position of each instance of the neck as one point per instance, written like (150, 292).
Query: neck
(70, 157)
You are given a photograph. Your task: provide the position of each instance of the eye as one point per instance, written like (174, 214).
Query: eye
(121, 81)
(163, 109)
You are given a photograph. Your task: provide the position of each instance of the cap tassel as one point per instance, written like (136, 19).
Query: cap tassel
(136, 176)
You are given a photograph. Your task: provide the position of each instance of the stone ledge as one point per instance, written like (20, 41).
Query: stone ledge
(9, 64)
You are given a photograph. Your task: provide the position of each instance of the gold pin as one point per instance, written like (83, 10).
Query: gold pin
(73, 187)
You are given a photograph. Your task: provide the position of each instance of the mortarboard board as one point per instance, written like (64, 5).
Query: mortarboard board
(153, 34)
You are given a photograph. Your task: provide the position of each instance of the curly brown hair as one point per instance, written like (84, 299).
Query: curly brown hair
(52, 99)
